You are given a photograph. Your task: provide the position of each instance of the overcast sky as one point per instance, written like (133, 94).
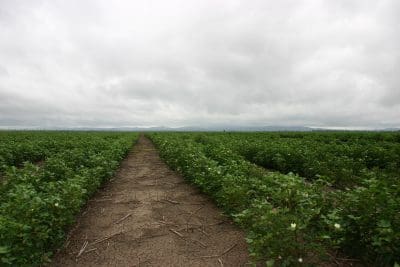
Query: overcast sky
(190, 62)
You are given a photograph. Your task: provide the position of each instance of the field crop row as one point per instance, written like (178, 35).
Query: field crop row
(348, 207)
(343, 162)
(47, 178)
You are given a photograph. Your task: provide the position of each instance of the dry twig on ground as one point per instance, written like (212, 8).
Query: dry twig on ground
(220, 255)
(82, 248)
(105, 238)
(123, 218)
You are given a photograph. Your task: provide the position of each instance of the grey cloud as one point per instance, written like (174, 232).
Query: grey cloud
(3, 71)
(97, 63)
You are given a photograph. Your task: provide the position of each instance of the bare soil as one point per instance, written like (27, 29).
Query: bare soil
(147, 215)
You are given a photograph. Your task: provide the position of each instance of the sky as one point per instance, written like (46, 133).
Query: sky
(100, 63)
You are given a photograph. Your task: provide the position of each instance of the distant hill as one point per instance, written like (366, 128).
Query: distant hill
(392, 130)
(198, 129)
(191, 129)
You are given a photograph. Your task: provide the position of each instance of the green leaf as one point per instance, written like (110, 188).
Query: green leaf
(270, 263)
(4, 250)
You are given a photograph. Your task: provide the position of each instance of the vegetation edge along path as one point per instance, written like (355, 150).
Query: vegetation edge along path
(148, 215)
(49, 176)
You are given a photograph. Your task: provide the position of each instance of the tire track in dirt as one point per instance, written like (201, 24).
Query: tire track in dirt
(147, 215)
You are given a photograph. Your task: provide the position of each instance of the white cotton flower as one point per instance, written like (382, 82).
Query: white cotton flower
(293, 226)
(300, 260)
(56, 204)
(337, 226)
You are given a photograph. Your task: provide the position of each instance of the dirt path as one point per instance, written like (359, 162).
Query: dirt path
(149, 216)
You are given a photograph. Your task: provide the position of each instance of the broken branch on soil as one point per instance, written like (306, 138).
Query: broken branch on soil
(220, 255)
(105, 238)
(171, 201)
(183, 237)
(177, 233)
(67, 243)
(123, 218)
(199, 242)
(82, 248)
(193, 213)
(229, 249)
(190, 216)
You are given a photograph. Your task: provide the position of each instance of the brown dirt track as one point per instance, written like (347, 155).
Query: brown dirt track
(147, 215)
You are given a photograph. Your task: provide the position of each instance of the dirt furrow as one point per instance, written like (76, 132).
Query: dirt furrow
(147, 215)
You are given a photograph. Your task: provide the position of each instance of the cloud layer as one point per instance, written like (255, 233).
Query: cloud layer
(188, 62)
